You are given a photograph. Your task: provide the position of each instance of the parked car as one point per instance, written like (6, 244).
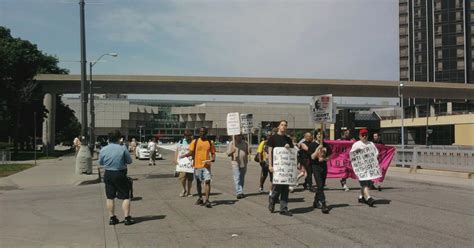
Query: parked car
(141, 152)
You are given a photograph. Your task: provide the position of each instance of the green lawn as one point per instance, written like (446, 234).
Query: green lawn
(9, 169)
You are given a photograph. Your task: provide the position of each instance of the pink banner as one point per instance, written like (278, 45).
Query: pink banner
(339, 166)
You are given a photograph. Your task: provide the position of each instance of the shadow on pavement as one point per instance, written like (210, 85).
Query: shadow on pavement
(382, 202)
(148, 218)
(301, 199)
(302, 210)
(223, 202)
(254, 194)
(137, 198)
(338, 206)
(211, 194)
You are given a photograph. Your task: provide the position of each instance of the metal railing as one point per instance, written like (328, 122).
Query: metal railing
(456, 158)
(5, 156)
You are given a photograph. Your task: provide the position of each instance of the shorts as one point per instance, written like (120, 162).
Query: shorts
(365, 183)
(203, 174)
(117, 184)
(183, 176)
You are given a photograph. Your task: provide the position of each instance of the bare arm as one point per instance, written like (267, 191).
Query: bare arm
(270, 159)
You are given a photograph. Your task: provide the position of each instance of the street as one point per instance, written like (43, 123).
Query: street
(408, 213)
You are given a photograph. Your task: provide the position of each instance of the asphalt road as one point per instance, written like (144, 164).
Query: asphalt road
(409, 213)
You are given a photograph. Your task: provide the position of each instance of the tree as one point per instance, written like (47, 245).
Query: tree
(67, 125)
(21, 95)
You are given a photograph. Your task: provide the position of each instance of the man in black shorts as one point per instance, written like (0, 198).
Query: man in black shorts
(280, 139)
(115, 158)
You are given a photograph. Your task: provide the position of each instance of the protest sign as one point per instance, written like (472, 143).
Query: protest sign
(233, 123)
(284, 166)
(365, 164)
(322, 109)
(246, 123)
(184, 164)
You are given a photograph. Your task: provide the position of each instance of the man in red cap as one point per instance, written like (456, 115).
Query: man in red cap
(364, 143)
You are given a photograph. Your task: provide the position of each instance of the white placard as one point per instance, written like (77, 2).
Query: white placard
(322, 109)
(233, 123)
(246, 123)
(184, 164)
(365, 164)
(285, 169)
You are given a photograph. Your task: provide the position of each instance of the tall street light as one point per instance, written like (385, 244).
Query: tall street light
(83, 75)
(400, 95)
(294, 124)
(92, 110)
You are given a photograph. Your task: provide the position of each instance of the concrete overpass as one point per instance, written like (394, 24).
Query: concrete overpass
(137, 84)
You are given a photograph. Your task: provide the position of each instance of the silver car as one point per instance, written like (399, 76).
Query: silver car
(141, 152)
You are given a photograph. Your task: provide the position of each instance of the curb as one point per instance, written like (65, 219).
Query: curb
(446, 173)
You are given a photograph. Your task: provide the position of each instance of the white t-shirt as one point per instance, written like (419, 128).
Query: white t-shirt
(151, 146)
(359, 145)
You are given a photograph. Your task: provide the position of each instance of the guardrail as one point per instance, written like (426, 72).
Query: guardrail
(459, 158)
(5, 156)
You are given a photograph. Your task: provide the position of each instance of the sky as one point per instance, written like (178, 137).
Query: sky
(326, 39)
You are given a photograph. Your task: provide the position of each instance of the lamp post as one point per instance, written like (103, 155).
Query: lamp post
(400, 95)
(92, 109)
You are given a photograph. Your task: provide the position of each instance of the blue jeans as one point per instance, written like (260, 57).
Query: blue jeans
(239, 178)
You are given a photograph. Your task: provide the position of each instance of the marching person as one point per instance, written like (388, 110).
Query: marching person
(238, 150)
(363, 143)
(186, 178)
(115, 158)
(152, 147)
(346, 135)
(376, 140)
(280, 191)
(263, 161)
(320, 153)
(203, 152)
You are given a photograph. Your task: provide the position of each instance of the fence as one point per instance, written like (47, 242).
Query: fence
(458, 158)
(5, 156)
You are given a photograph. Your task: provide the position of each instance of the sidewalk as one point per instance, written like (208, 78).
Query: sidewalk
(48, 172)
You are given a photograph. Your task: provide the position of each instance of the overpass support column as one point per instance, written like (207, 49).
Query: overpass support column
(449, 108)
(49, 124)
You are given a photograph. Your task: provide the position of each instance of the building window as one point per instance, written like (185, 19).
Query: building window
(403, 31)
(440, 66)
(440, 54)
(404, 52)
(460, 40)
(460, 64)
(459, 28)
(472, 66)
(458, 16)
(460, 53)
(439, 30)
(419, 58)
(438, 41)
(438, 4)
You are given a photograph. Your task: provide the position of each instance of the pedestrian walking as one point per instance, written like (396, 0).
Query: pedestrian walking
(346, 135)
(320, 154)
(115, 158)
(364, 196)
(280, 191)
(238, 150)
(262, 156)
(185, 178)
(152, 148)
(203, 152)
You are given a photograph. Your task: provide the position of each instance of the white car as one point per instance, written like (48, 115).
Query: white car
(141, 152)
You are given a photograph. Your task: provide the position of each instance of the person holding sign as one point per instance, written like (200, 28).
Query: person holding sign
(202, 149)
(238, 149)
(280, 139)
(320, 152)
(185, 177)
(363, 145)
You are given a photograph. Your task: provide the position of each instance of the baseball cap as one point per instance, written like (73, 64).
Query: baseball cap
(363, 132)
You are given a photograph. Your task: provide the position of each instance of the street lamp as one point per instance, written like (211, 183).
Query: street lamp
(400, 95)
(92, 111)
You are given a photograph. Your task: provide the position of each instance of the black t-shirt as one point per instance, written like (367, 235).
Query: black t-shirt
(277, 140)
(312, 149)
(304, 154)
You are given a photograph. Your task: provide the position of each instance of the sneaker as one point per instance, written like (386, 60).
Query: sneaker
(189, 195)
(324, 208)
(129, 221)
(286, 212)
(199, 202)
(240, 196)
(271, 205)
(292, 189)
(154, 164)
(361, 200)
(113, 220)
(346, 189)
(370, 201)
(379, 188)
(260, 190)
(208, 204)
(183, 194)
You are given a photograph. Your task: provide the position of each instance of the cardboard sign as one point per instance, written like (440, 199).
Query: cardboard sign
(365, 164)
(285, 169)
(246, 123)
(184, 164)
(322, 109)
(233, 123)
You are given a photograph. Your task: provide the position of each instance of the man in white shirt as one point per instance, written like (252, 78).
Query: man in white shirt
(152, 147)
(363, 143)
